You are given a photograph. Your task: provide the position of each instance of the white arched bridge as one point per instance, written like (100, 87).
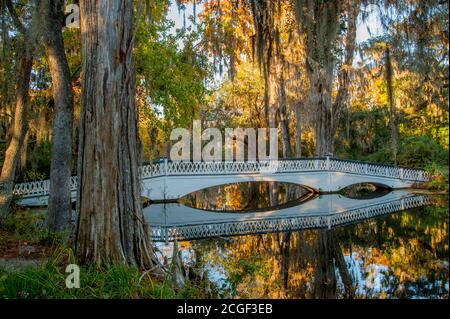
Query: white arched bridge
(169, 180)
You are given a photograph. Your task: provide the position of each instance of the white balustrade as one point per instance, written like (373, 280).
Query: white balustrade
(167, 168)
(242, 227)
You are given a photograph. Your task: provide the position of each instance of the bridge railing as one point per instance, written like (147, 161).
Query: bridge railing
(32, 188)
(276, 224)
(166, 167)
(282, 166)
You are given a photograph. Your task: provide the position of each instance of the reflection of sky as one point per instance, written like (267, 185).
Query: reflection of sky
(216, 272)
(368, 280)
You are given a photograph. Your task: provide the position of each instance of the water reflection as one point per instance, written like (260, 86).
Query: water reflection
(171, 221)
(365, 191)
(401, 255)
(248, 196)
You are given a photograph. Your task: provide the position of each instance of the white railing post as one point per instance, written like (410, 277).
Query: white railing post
(366, 169)
(401, 173)
(165, 166)
(328, 163)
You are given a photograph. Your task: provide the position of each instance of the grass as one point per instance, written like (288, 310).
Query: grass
(48, 279)
(115, 282)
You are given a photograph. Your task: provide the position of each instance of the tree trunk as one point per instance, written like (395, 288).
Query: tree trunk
(344, 75)
(392, 118)
(19, 130)
(342, 267)
(111, 225)
(59, 203)
(20, 126)
(285, 256)
(324, 274)
(320, 97)
(284, 125)
(298, 130)
(319, 22)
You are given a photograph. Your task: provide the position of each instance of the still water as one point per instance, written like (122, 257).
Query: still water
(400, 255)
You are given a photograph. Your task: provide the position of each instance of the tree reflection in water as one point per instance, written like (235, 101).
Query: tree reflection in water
(250, 196)
(402, 255)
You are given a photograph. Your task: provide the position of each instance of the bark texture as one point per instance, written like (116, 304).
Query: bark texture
(59, 203)
(111, 225)
(282, 111)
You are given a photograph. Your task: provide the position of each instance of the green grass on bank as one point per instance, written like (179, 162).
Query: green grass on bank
(48, 279)
(117, 281)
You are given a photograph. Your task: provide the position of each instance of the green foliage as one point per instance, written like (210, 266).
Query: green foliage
(23, 222)
(419, 151)
(38, 162)
(439, 175)
(172, 75)
(27, 225)
(414, 151)
(33, 175)
(238, 102)
(171, 71)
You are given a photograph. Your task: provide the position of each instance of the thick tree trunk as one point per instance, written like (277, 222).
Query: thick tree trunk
(320, 97)
(19, 130)
(111, 225)
(344, 75)
(319, 21)
(392, 117)
(59, 203)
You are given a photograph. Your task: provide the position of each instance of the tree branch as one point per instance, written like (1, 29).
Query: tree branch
(17, 23)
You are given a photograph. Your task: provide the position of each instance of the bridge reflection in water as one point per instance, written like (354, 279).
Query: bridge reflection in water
(178, 222)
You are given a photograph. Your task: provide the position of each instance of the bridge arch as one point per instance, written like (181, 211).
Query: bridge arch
(176, 186)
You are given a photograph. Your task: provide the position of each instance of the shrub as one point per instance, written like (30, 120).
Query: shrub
(29, 225)
(439, 174)
(420, 151)
(415, 151)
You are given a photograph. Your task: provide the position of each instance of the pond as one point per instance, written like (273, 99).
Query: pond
(403, 254)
